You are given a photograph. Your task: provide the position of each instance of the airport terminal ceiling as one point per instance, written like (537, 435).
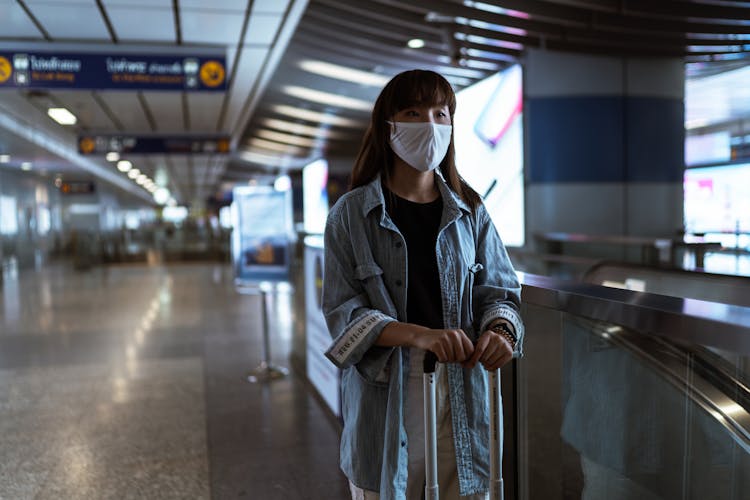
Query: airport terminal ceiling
(300, 76)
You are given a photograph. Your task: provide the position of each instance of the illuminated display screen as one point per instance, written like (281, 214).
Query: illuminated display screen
(315, 196)
(488, 132)
(717, 199)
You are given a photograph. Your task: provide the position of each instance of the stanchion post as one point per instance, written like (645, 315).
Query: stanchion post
(266, 370)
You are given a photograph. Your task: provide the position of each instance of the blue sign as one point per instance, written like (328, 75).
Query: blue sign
(91, 71)
(153, 144)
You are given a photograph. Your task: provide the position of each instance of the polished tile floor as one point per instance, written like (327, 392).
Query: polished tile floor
(130, 382)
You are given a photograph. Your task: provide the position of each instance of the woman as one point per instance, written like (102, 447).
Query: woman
(414, 264)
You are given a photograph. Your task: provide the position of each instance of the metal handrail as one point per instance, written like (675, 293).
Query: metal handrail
(684, 320)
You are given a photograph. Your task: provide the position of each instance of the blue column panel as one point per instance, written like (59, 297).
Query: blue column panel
(575, 139)
(655, 139)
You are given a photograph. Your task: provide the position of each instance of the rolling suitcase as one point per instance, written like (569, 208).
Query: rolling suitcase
(430, 428)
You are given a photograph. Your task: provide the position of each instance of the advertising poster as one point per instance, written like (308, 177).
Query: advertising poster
(488, 132)
(262, 234)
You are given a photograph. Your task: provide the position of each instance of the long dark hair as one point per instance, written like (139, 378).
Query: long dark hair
(407, 89)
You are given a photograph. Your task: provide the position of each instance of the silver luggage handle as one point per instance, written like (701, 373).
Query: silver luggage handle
(430, 443)
(496, 435)
(430, 428)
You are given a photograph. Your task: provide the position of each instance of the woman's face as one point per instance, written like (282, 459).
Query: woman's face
(434, 114)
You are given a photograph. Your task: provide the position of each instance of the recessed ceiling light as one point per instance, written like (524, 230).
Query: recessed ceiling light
(4, 158)
(415, 43)
(161, 196)
(26, 165)
(282, 183)
(62, 116)
(344, 73)
(141, 179)
(315, 116)
(124, 165)
(112, 156)
(326, 98)
(134, 173)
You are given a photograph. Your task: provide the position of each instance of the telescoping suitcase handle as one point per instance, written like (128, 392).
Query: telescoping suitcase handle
(430, 428)
(496, 435)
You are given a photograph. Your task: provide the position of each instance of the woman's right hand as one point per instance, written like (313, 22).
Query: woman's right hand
(449, 345)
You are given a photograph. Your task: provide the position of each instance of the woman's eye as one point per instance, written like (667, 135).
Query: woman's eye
(411, 112)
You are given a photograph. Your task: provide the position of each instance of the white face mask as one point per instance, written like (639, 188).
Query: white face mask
(420, 144)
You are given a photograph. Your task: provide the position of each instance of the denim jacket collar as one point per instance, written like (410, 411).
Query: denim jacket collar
(373, 197)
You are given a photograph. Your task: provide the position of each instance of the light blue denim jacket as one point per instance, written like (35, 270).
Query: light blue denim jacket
(364, 289)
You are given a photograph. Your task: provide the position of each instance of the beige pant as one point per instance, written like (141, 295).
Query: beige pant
(414, 423)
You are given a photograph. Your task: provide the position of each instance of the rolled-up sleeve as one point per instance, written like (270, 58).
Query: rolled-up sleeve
(497, 291)
(352, 322)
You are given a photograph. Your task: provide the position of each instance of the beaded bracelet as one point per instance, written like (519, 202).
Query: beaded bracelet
(502, 329)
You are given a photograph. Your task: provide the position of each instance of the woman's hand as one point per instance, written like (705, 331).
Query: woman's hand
(492, 350)
(450, 346)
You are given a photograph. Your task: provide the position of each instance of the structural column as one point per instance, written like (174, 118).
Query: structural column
(604, 144)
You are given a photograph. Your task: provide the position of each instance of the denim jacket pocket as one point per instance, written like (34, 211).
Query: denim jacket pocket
(371, 277)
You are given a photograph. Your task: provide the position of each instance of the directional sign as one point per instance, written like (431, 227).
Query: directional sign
(153, 144)
(97, 71)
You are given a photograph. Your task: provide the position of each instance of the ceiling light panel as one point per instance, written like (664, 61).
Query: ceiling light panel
(204, 108)
(133, 3)
(315, 116)
(62, 116)
(267, 159)
(262, 28)
(269, 6)
(289, 138)
(299, 129)
(166, 108)
(127, 108)
(327, 98)
(343, 73)
(14, 23)
(274, 146)
(238, 5)
(215, 27)
(77, 21)
(143, 23)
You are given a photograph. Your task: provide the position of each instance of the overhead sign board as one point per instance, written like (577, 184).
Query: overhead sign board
(153, 144)
(77, 187)
(97, 71)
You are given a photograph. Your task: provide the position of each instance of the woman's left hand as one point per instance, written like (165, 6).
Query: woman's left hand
(492, 350)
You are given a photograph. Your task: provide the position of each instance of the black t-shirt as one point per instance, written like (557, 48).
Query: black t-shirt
(419, 224)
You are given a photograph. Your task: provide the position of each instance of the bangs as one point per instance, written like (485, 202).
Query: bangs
(421, 88)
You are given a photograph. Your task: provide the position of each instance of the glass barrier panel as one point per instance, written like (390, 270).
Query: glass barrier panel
(607, 413)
